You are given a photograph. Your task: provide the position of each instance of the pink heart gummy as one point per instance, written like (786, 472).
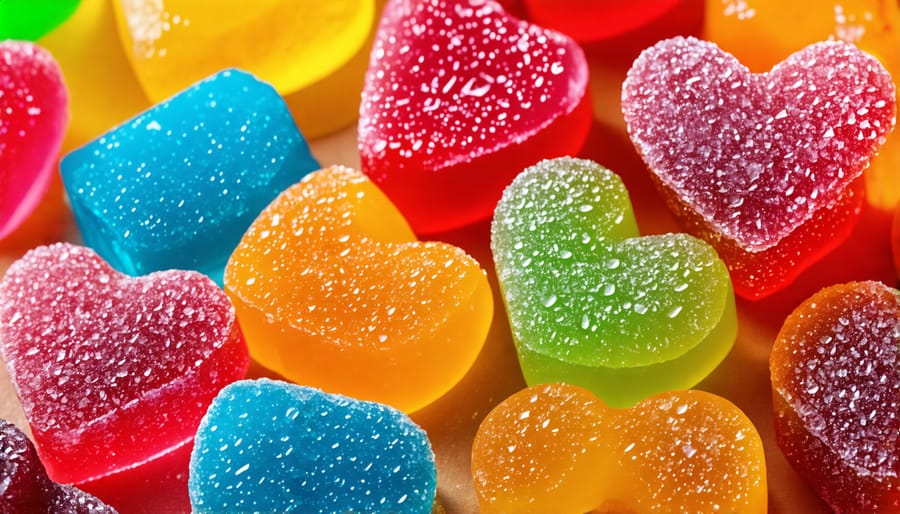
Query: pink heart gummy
(766, 167)
(33, 118)
(458, 99)
(113, 371)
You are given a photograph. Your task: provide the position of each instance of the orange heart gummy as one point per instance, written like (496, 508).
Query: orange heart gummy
(333, 290)
(558, 448)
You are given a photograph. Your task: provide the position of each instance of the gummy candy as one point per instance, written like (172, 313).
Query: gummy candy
(103, 90)
(330, 277)
(764, 32)
(556, 448)
(287, 43)
(765, 167)
(31, 19)
(177, 186)
(895, 240)
(113, 372)
(580, 19)
(26, 487)
(459, 98)
(267, 446)
(836, 395)
(34, 102)
(590, 303)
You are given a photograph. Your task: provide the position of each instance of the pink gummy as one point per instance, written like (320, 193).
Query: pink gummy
(756, 156)
(113, 371)
(458, 99)
(33, 119)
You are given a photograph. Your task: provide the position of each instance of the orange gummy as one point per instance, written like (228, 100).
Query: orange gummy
(333, 290)
(557, 448)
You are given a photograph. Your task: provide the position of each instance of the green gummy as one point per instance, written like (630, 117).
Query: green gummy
(591, 303)
(29, 20)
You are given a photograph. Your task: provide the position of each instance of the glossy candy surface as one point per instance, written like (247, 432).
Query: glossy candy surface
(177, 186)
(34, 107)
(593, 20)
(113, 372)
(267, 446)
(26, 489)
(765, 167)
(288, 43)
(556, 448)
(590, 302)
(836, 393)
(459, 98)
(330, 277)
(31, 19)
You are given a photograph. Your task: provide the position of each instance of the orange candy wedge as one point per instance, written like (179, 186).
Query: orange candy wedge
(333, 290)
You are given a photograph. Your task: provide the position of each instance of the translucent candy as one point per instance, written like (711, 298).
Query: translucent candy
(33, 118)
(592, 20)
(177, 186)
(590, 303)
(26, 487)
(288, 43)
(767, 167)
(330, 277)
(31, 19)
(113, 372)
(459, 98)
(837, 395)
(267, 446)
(556, 448)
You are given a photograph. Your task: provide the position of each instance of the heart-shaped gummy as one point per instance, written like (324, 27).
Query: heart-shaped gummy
(267, 446)
(460, 97)
(592, 20)
(287, 43)
(27, 488)
(33, 117)
(766, 167)
(29, 20)
(333, 290)
(557, 448)
(836, 392)
(591, 303)
(113, 371)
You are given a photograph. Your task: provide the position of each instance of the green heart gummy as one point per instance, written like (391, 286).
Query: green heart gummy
(591, 303)
(32, 19)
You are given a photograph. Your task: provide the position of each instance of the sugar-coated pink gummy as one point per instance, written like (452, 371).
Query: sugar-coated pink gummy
(756, 155)
(113, 370)
(33, 119)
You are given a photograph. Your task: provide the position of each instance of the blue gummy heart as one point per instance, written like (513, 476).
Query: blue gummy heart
(267, 446)
(177, 186)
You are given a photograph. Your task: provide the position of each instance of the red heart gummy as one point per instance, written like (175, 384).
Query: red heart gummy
(33, 118)
(113, 372)
(836, 393)
(26, 488)
(458, 99)
(766, 167)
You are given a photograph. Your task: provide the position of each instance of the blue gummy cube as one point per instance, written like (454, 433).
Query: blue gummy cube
(267, 446)
(177, 186)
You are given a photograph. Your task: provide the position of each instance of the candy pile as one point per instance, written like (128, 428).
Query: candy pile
(659, 245)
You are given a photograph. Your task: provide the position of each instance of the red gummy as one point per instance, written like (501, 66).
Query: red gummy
(33, 119)
(459, 98)
(592, 20)
(114, 372)
(25, 486)
(836, 394)
(766, 167)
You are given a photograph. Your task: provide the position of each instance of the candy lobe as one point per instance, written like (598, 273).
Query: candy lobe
(267, 446)
(493, 96)
(330, 275)
(34, 104)
(31, 19)
(177, 186)
(836, 392)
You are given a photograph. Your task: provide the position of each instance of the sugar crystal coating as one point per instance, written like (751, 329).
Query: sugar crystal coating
(267, 446)
(460, 93)
(177, 186)
(836, 391)
(112, 370)
(590, 302)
